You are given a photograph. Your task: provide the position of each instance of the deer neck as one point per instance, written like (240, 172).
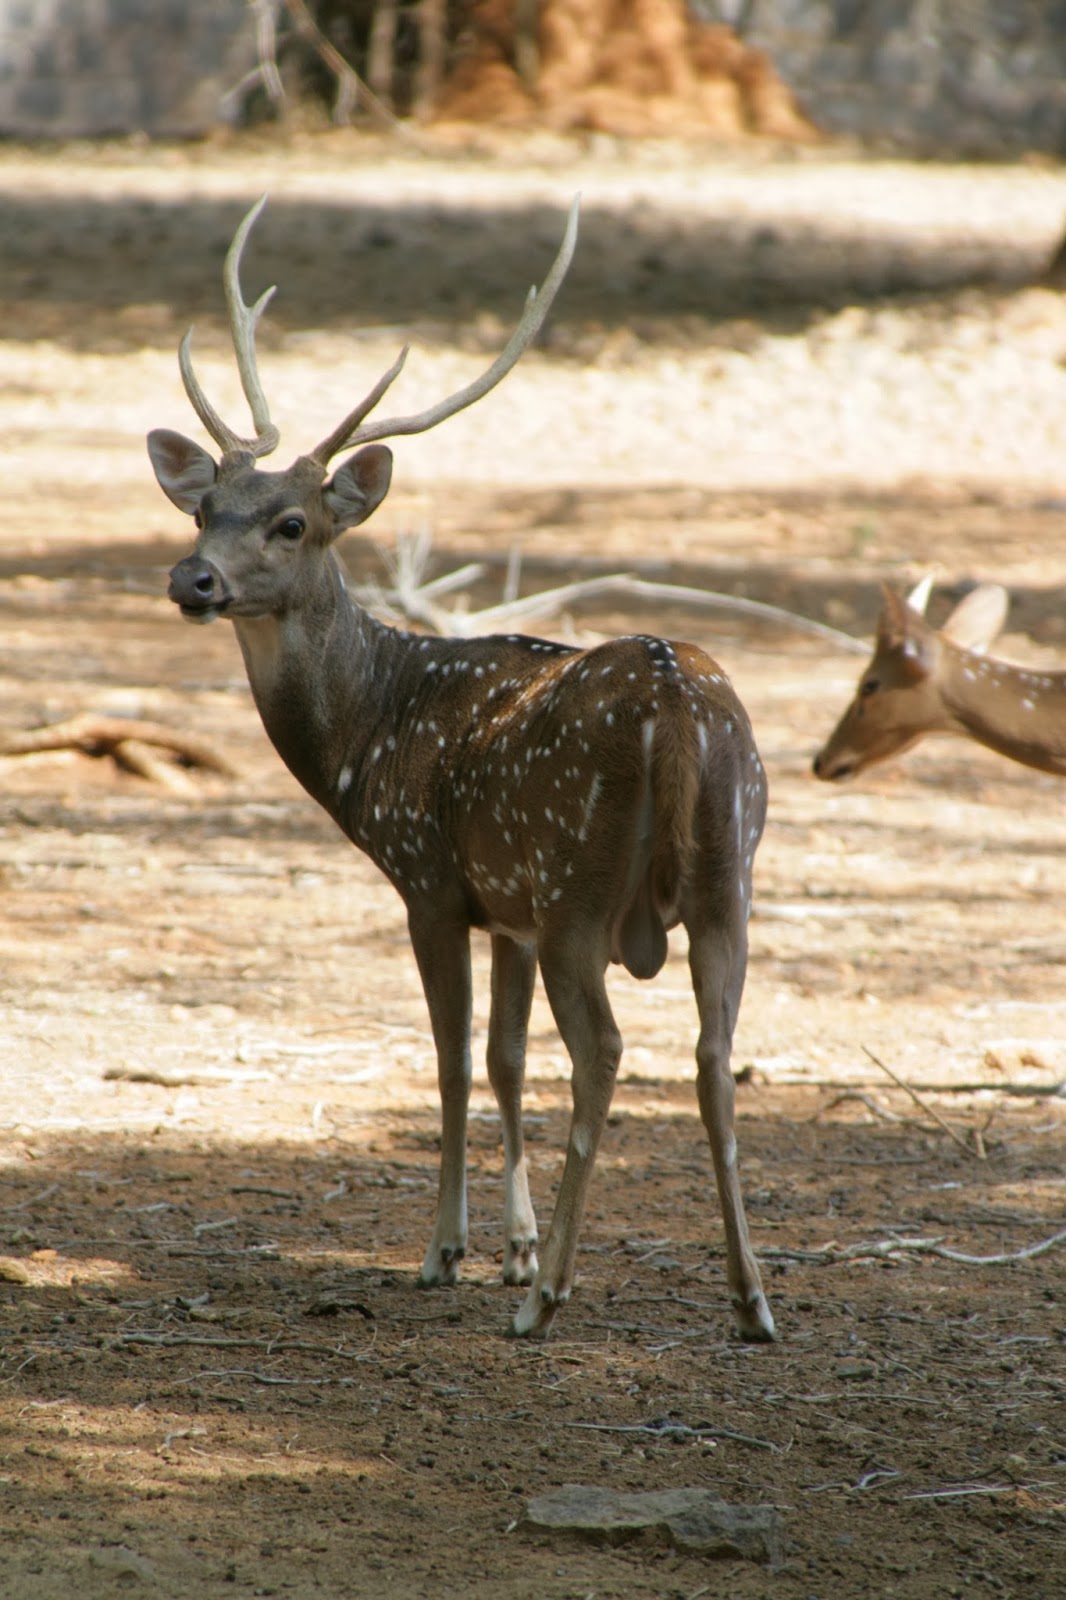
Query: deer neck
(320, 674)
(1019, 713)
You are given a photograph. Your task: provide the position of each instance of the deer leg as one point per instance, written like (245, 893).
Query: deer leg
(574, 981)
(514, 969)
(717, 960)
(443, 958)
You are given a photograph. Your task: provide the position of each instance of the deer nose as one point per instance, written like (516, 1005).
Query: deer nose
(195, 585)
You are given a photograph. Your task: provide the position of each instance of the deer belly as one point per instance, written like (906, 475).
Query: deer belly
(501, 900)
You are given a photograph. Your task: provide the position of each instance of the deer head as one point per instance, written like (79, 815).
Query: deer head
(900, 695)
(259, 530)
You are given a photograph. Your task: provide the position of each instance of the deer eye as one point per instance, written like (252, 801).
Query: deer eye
(870, 687)
(290, 528)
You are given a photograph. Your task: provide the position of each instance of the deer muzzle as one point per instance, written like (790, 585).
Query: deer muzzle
(832, 769)
(198, 588)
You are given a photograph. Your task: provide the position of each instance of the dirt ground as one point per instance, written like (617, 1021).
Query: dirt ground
(782, 378)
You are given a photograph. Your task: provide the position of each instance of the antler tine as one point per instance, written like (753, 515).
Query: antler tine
(342, 434)
(243, 321)
(223, 436)
(538, 304)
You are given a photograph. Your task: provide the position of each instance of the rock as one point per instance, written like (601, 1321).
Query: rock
(123, 1564)
(693, 1520)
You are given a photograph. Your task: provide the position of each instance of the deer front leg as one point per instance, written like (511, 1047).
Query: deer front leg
(573, 979)
(717, 960)
(443, 956)
(514, 969)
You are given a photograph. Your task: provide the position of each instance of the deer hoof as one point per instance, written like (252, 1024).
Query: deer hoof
(440, 1269)
(754, 1318)
(537, 1312)
(520, 1261)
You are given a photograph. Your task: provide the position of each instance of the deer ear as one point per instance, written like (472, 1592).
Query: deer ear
(892, 624)
(915, 657)
(185, 471)
(978, 618)
(359, 487)
(905, 636)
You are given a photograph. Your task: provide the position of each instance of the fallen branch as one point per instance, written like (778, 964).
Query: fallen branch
(631, 588)
(884, 1249)
(128, 741)
(179, 1077)
(415, 600)
(1013, 1255)
(864, 1099)
(974, 1154)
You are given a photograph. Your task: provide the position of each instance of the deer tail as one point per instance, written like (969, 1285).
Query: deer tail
(675, 780)
(664, 843)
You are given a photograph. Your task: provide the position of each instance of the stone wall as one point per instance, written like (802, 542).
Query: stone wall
(978, 77)
(73, 67)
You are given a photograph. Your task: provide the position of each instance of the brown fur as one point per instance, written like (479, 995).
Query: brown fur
(548, 795)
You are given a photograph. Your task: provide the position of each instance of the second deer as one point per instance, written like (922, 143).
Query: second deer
(574, 804)
(923, 680)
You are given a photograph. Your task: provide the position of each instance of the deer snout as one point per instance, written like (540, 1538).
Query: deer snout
(197, 587)
(831, 771)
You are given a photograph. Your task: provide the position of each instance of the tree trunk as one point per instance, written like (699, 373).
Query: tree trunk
(381, 47)
(432, 24)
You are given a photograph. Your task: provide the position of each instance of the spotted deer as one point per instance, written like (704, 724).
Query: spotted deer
(923, 680)
(574, 803)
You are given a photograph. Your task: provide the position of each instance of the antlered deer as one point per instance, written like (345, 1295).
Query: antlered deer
(925, 680)
(576, 804)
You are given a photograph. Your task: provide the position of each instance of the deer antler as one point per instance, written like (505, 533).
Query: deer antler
(538, 304)
(243, 320)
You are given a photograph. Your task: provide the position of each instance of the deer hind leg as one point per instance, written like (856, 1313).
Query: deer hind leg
(514, 970)
(443, 957)
(573, 973)
(717, 960)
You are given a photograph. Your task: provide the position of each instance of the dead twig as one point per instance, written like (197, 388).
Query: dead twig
(977, 1488)
(351, 88)
(1030, 1254)
(864, 1099)
(845, 1396)
(1037, 1091)
(666, 1429)
(180, 1077)
(173, 1341)
(974, 1154)
(254, 1376)
(128, 741)
(882, 1249)
(34, 1199)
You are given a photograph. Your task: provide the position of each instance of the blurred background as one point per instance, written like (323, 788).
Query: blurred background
(813, 341)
